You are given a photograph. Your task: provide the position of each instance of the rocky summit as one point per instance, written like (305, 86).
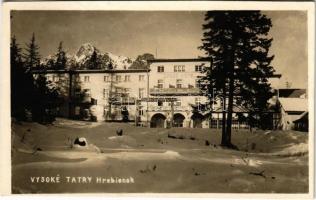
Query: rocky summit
(83, 55)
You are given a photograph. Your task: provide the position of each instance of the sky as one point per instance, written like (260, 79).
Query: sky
(166, 34)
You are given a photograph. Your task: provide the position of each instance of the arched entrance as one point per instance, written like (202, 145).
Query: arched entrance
(178, 120)
(157, 121)
(197, 120)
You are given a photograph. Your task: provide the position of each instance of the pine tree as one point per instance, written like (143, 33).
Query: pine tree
(50, 63)
(238, 44)
(46, 99)
(21, 83)
(32, 56)
(141, 61)
(95, 61)
(15, 52)
(61, 59)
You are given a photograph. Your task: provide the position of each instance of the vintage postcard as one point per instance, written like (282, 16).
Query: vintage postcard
(158, 98)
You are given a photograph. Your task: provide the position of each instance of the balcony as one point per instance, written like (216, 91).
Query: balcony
(174, 91)
(84, 99)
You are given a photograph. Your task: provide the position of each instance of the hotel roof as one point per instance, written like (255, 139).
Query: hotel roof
(179, 60)
(89, 71)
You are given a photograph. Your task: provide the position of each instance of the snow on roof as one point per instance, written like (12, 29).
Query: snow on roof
(294, 104)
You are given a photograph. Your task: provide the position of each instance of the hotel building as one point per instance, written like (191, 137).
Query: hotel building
(167, 94)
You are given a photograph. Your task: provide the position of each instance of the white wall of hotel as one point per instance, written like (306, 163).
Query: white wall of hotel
(99, 85)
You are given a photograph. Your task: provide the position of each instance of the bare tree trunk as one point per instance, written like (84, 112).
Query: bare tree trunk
(70, 98)
(224, 136)
(230, 111)
(231, 88)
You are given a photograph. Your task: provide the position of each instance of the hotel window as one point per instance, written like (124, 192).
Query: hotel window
(127, 92)
(179, 68)
(127, 78)
(118, 90)
(141, 112)
(161, 69)
(105, 93)
(197, 100)
(198, 68)
(141, 92)
(87, 92)
(118, 78)
(179, 83)
(55, 78)
(177, 103)
(160, 83)
(77, 92)
(160, 102)
(197, 83)
(86, 79)
(78, 79)
(141, 77)
(106, 79)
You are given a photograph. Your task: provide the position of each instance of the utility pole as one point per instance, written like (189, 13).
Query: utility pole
(147, 114)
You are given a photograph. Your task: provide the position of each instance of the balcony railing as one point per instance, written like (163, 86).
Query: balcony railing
(123, 100)
(168, 108)
(174, 91)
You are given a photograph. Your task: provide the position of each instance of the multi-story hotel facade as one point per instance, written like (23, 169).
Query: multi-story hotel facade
(152, 97)
(166, 94)
(174, 83)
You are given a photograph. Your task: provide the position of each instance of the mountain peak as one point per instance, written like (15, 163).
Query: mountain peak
(85, 51)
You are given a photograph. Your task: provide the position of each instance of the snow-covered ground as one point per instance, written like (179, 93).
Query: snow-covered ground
(176, 160)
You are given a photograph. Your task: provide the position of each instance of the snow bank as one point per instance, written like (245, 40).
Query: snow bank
(294, 150)
(124, 141)
(76, 124)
